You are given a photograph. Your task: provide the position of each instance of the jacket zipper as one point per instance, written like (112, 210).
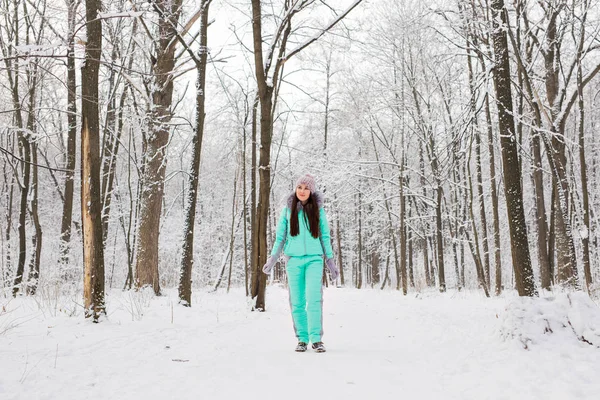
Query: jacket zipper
(304, 238)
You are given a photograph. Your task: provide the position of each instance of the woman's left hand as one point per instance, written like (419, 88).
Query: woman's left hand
(333, 270)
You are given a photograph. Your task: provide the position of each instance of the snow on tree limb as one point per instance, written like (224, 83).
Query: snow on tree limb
(322, 32)
(189, 24)
(124, 14)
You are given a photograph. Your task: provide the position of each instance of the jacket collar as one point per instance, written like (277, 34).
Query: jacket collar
(317, 195)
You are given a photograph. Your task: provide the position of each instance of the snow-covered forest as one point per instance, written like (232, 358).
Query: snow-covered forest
(394, 106)
(147, 148)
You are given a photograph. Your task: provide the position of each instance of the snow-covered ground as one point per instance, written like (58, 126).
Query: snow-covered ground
(380, 345)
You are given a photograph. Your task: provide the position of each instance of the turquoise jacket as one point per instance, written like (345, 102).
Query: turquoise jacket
(304, 244)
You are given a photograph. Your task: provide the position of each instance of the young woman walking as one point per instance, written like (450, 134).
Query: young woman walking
(303, 237)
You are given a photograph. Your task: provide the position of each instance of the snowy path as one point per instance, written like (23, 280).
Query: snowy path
(380, 345)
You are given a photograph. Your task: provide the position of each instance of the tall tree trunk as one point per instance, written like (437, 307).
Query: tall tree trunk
(245, 201)
(455, 226)
(540, 209)
(113, 131)
(552, 236)
(464, 217)
(585, 237)
(230, 247)
(474, 243)
(566, 266)
(91, 200)
(110, 143)
(12, 74)
(360, 244)
(339, 243)
(25, 153)
(187, 260)
(565, 248)
(494, 193)
(512, 174)
(6, 277)
(264, 173)
(133, 213)
(253, 209)
(268, 88)
(32, 82)
(402, 228)
(266, 95)
(70, 157)
(492, 159)
(409, 240)
(438, 231)
(400, 258)
(153, 179)
(232, 237)
(482, 213)
(423, 183)
(478, 168)
(259, 245)
(545, 238)
(34, 262)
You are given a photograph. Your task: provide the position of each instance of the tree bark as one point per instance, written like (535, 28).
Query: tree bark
(438, 224)
(6, 277)
(113, 131)
(110, 144)
(253, 208)
(565, 249)
(24, 152)
(479, 172)
(153, 179)
(267, 96)
(474, 243)
(399, 257)
(508, 141)
(585, 237)
(423, 182)
(91, 201)
(339, 243)
(409, 240)
(245, 200)
(70, 157)
(37, 238)
(187, 260)
(360, 244)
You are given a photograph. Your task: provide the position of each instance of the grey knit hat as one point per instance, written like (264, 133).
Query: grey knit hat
(309, 181)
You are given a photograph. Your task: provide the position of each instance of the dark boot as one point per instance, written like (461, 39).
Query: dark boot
(319, 347)
(301, 347)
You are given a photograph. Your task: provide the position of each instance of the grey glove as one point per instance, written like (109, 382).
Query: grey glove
(333, 270)
(268, 267)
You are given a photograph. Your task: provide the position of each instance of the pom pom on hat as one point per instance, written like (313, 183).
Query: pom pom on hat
(309, 181)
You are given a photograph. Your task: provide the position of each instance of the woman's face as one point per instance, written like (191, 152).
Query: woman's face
(302, 192)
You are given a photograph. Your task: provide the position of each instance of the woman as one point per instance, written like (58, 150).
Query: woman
(303, 236)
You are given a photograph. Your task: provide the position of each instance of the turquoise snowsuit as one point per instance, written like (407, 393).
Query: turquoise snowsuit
(304, 269)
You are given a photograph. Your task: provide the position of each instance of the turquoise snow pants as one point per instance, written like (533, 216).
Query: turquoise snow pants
(306, 296)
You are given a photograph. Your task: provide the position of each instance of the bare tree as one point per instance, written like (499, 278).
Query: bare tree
(187, 261)
(67, 212)
(13, 75)
(153, 179)
(512, 174)
(91, 201)
(268, 81)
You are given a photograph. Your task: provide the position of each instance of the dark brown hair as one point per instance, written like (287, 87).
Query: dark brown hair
(311, 215)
